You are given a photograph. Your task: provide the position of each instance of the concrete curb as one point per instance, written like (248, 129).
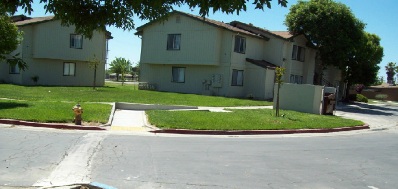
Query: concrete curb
(257, 132)
(50, 125)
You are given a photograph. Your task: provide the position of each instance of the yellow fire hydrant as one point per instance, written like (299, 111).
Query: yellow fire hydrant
(78, 110)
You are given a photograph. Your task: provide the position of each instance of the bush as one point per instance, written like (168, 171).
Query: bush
(382, 97)
(357, 97)
(361, 98)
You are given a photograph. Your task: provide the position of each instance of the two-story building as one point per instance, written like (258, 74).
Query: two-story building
(191, 54)
(56, 55)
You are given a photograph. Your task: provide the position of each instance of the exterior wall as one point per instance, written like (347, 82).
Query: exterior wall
(195, 77)
(295, 67)
(275, 50)
(333, 75)
(302, 98)
(258, 82)
(52, 41)
(200, 42)
(253, 76)
(207, 50)
(269, 84)
(50, 72)
(391, 92)
(45, 48)
(254, 81)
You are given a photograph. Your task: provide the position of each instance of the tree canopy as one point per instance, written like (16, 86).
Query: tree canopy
(90, 15)
(391, 70)
(339, 36)
(120, 66)
(363, 66)
(10, 37)
(9, 41)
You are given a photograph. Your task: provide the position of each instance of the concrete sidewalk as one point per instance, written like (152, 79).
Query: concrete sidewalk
(136, 120)
(129, 120)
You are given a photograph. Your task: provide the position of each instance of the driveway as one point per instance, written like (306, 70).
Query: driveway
(379, 117)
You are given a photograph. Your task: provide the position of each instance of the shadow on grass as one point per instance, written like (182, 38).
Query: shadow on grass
(11, 105)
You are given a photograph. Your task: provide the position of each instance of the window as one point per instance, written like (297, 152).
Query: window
(240, 44)
(69, 69)
(173, 41)
(237, 78)
(14, 69)
(296, 79)
(76, 41)
(298, 53)
(178, 75)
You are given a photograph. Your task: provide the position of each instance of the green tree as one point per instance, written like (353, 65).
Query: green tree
(340, 38)
(279, 71)
(93, 63)
(363, 67)
(120, 66)
(379, 81)
(329, 26)
(9, 41)
(135, 70)
(391, 70)
(90, 15)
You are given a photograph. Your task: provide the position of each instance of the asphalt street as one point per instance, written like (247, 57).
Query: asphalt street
(36, 158)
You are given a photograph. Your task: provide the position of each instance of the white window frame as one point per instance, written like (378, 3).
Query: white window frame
(178, 74)
(297, 79)
(173, 41)
(69, 69)
(240, 44)
(76, 41)
(298, 53)
(14, 69)
(237, 77)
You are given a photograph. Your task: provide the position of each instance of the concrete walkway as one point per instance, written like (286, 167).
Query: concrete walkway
(136, 120)
(129, 120)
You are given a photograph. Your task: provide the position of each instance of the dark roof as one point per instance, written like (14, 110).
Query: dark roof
(261, 63)
(22, 20)
(283, 34)
(261, 31)
(108, 35)
(205, 20)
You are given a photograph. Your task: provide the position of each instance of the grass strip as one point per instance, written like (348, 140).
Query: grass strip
(52, 112)
(119, 93)
(260, 119)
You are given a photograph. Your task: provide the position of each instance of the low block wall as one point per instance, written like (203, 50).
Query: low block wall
(302, 98)
(371, 93)
(131, 106)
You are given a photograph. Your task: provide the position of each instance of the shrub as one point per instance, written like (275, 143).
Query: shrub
(357, 97)
(361, 98)
(382, 97)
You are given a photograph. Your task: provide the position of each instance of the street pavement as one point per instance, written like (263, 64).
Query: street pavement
(379, 117)
(37, 158)
(42, 158)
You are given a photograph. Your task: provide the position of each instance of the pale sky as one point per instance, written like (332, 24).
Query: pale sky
(380, 17)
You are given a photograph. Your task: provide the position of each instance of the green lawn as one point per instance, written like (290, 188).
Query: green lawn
(54, 104)
(262, 119)
(52, 112)
(118, 93)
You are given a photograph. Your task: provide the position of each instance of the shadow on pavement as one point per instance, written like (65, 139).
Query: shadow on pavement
(367, 109)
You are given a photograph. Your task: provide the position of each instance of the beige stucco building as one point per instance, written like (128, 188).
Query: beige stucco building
(190, 54)
(56, 54)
